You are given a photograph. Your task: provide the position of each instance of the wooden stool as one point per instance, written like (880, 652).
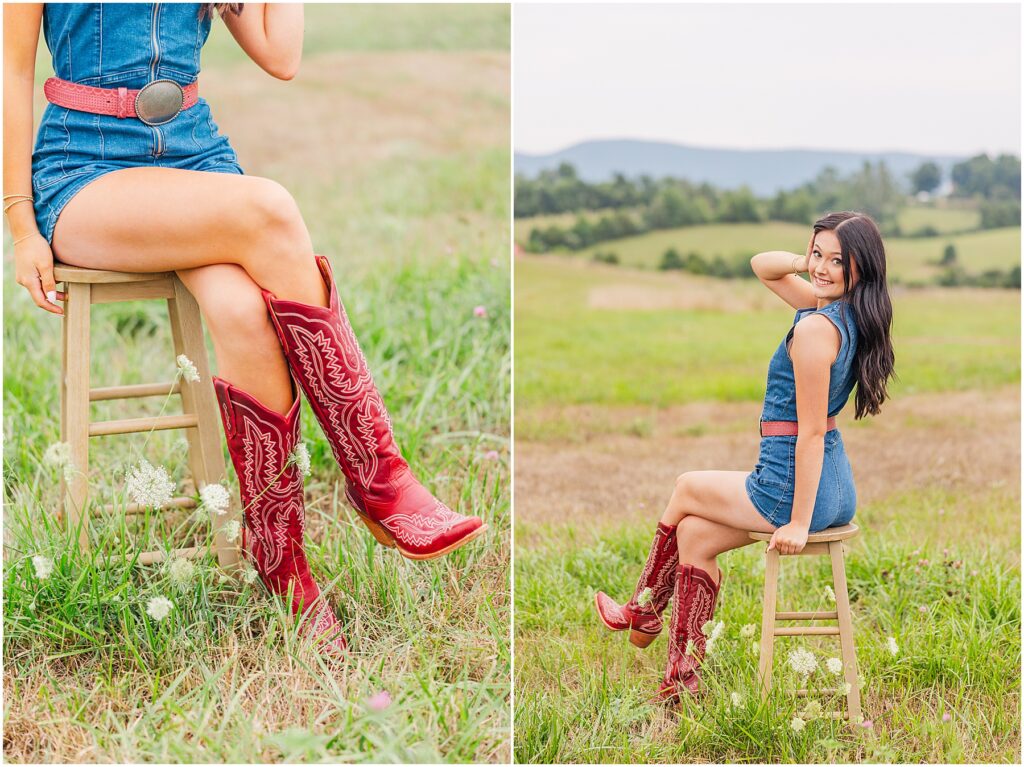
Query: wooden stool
(827, 542)
(200, 417)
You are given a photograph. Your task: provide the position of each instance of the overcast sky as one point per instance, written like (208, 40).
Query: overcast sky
(923, 78)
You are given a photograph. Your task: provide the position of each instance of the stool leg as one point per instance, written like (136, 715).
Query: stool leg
(845, 628)
(75, 406)
(771, 587)
(205, 454)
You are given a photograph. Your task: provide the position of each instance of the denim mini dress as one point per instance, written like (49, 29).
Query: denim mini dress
(121, 45)
(770, 485)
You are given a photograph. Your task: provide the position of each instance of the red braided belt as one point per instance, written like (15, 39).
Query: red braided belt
(788, 428)
(155, 104)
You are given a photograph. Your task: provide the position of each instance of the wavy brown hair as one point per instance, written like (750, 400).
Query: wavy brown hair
(860, 240)
(207, 9)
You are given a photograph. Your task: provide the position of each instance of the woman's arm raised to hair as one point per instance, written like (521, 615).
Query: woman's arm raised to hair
(21, 38)
(271, 34)
(775, 269)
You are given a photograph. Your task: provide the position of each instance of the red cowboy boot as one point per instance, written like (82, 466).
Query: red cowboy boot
(642, 613)
(325, 358)
(694, 605)
(260, 442)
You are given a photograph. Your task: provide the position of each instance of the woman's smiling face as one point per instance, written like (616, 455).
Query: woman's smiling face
(825, 267)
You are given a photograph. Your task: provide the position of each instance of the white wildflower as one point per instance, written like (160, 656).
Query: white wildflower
(159, 608)
(215, 498)
(812, 710)
(830, 595)
(43, 566)
(891, 646)
(231, 530)
(707, 628)
(187, 369)
(300, 457)
(181, 571)
(846, 689)
(58, 455)
(32, 605)
(690, 648)
(150, 485)
(797, 724)
(802, 661)
(834, 665)
(249, 575)
(748, 631)
(716, 632)
(755, 647)
(736, 699)
(645, 597)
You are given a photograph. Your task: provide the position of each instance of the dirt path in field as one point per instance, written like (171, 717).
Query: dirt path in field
(962, 448)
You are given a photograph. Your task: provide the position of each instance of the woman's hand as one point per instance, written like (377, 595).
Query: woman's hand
(33, 270)
(789, 539)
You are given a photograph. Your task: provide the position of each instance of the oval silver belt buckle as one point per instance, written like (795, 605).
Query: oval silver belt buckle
(159, 102)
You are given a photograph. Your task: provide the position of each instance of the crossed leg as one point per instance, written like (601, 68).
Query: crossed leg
(713, 514)
(226, 235)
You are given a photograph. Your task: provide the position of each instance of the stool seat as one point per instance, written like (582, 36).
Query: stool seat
(829, 534)
(81, 274)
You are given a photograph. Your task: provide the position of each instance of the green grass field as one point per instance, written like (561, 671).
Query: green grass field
(908, 259)
(610, 336)
(607, 359)
(416, 223)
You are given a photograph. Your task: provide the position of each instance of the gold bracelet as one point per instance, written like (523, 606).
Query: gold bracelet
(18, 195)
(30, 234)
(10, 205)
(794, 265)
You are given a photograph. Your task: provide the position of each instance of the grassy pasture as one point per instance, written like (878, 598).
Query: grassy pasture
(396, 148)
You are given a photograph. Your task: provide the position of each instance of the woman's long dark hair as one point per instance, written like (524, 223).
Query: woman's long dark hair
(207, 9)
(860, 240)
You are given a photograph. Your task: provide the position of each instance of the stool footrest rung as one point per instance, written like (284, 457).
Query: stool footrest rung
(132, 391)
(135, 425)
(153, 557)
(804, 692)
(793, 631)
(181, 502)
(819, 615)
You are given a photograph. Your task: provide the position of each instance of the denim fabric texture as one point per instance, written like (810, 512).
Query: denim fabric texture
(113, 45)
(770, 485)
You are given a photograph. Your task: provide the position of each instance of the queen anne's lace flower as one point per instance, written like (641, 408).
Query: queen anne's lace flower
(232, 530)
(58, 455)
(690, 649)
(812, 710)
(249, 575)
(891, 646)
(43, 566)
(645, 597)
(748, 631)
(300, 457)
(830, 595)
(181, 571)
(159, 608)
(736, 699)
(847, 688)
(802, 661)
(834, 665)
(150, 485)
(215, 498)
(187, 369)
(797, 724)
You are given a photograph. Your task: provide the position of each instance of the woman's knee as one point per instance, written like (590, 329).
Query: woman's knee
(231, 302)
(276, 225)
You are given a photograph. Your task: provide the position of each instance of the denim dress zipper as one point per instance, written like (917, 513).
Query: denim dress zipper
(152, 74)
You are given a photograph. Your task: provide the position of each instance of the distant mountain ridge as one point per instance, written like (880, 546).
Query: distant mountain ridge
(765, 171)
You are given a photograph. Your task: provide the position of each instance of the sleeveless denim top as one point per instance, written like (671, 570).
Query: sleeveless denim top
(121, 45)
(780, 391)
(111, 45)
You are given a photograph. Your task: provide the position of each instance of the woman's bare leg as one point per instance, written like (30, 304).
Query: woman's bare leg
(714, 514)
(147, 219)
(248, 352)
(226, 235)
